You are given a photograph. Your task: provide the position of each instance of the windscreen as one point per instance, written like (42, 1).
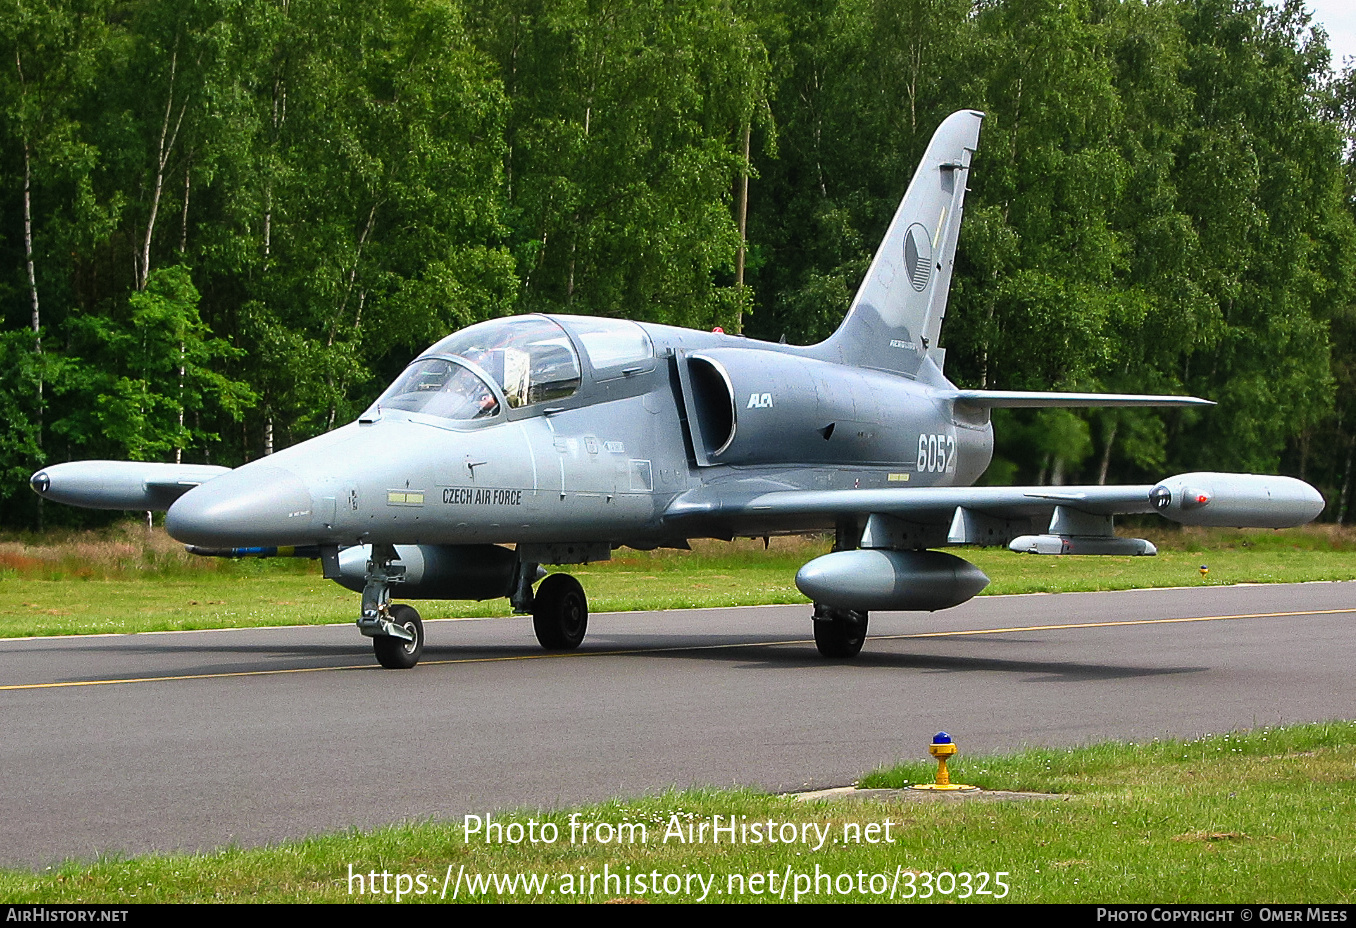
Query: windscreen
(437, 387)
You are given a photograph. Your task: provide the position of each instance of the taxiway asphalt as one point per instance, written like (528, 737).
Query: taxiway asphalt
(193, 740)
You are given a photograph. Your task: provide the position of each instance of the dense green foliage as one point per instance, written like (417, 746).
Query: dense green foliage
(226, 223)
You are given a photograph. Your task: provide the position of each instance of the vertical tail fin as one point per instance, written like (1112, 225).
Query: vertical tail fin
(897, 314)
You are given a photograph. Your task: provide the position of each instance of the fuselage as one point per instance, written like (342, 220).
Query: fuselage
(554, 429)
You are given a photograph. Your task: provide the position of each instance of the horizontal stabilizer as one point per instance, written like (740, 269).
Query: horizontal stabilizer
(1021, 399)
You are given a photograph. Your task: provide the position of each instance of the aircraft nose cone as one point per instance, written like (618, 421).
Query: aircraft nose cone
(254, 505)
(40, 482)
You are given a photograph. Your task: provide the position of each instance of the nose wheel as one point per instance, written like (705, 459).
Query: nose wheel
(839, 633)
(560, 613)
(397, 653)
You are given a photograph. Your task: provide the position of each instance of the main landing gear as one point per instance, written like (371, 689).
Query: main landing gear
(560, 613)
(839, 633)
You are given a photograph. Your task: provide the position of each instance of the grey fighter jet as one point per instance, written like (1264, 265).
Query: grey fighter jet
(536, 439)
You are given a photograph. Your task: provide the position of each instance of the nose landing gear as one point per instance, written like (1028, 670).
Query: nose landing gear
(397, 632)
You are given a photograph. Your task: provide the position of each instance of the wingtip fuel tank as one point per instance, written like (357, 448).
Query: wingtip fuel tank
(120, 484)
(1236, 500)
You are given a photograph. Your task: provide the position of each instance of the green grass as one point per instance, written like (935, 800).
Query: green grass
(127, 580)
(1262, 816)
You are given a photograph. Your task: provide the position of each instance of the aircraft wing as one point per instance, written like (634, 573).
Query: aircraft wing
(929, 516)
(922, 503)
(939, 516)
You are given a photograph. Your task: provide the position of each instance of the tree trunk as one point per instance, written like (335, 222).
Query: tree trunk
(743, 225)
(162, 160)
(178, 450)
(1106, 453)
(183, 217)
(33, 297)
(1346, 482)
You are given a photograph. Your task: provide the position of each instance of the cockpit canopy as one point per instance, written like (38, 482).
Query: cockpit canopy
(530, 358)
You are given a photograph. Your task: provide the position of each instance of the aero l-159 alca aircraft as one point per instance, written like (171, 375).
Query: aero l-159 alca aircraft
(567, 437)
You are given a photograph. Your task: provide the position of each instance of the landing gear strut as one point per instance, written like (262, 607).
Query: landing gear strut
(397, 632)
(839, 633)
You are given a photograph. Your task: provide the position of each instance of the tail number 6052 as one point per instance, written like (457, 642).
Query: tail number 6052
(937, 454)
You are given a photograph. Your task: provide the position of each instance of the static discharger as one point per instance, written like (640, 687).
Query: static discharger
(941, 748)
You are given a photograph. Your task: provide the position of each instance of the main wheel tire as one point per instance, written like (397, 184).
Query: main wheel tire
(560, 613)
(395, 653)
(839, 633)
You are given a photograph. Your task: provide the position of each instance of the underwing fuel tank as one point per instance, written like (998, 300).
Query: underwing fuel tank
(1236, 500)
(878, 579)
(1082, 544)
(438, 571)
